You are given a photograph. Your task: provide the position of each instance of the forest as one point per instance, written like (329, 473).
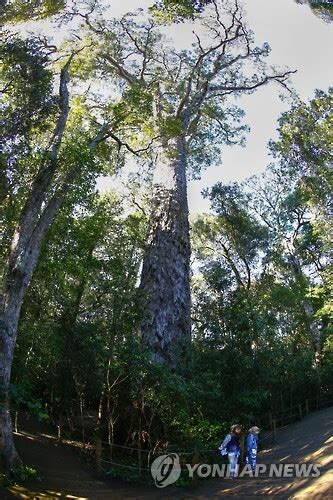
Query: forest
(124, 315)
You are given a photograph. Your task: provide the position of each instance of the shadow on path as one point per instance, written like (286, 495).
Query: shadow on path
(65, 475)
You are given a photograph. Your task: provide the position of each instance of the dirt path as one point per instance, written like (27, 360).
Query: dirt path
(310, 441)
(64, 475)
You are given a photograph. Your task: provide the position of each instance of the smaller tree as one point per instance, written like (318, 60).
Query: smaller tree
(233, 233)
(57, 156)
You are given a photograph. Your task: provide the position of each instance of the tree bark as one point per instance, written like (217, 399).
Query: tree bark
(23, 256)
(18, 273)
(8, 326)
(22, 259)
(165, 279)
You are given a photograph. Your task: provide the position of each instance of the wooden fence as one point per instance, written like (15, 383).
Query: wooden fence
(283, 418)
(270, 424)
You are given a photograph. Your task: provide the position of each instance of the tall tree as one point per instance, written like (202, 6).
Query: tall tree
(81, 307)
(302, 194)
(54, 166)
(234, 233)
(182, 96)
(283, 207)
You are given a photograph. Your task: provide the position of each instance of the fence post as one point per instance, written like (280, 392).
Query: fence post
(307, 406)
(300, 412)
(59, 426)
(140, 459)
(98, 456)
(195, 461)
(15, 422)
(274, 430)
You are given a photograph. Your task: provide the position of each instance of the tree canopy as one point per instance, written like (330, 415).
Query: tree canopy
(122, 316)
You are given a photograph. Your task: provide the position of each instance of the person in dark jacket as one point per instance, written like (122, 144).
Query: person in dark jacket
(252, 447)
(231, 447)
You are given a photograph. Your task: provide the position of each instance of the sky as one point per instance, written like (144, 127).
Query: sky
(299, 40)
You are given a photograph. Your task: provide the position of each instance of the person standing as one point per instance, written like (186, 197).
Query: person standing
(231, 447)
(252, 447)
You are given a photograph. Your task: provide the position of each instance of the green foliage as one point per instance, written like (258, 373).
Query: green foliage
(19, 475)
(16, 11)
(322, 9)
(155, 84)
(306, 134)
(21, 397)
(28, 109)
(167, 11)
(252, 348)
(171, 127)
(27, 81)
(262, 301)
(262, 283)
(135, 106)
(219, 125)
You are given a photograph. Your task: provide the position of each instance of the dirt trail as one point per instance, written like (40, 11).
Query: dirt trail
(64, 475)
(310, 441)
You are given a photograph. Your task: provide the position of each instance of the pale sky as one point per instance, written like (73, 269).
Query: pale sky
(299, 40)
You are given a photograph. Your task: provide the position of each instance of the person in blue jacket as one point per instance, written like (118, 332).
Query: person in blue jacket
(231, 447)
(252, 447)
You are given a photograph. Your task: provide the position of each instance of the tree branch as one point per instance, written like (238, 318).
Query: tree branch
(122, 71)
(278, 78)
(226, 255)
(43, 179)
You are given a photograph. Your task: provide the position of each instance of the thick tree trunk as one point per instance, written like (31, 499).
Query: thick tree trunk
(8, 455)
(23, 258)
(165, 279)
(9, 316)
(24, 253)
(25, 249)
